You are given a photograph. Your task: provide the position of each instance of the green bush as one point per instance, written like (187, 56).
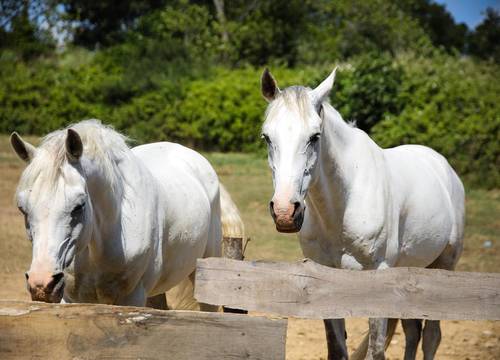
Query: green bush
(226, 111)
(36, 98)
(445, 102)
(367, 89)
(452, 105)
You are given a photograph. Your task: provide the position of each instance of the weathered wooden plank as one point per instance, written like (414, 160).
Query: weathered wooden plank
(307, 289)
(82, 331)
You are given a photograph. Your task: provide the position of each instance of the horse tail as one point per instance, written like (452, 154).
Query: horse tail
(362, 349)
(180, 297)
(232, 224)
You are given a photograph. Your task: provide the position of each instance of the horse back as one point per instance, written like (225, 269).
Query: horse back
(167, 161)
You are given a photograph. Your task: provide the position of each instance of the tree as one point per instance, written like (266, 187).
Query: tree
(437, 23)
(105, 22)
(484, 42)
(20, 29)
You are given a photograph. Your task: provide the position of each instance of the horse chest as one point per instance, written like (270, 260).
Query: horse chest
(344, 245)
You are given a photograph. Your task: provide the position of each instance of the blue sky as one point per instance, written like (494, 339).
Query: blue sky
(469, 11)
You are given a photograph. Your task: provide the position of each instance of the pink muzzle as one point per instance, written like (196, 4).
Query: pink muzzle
(287, 216)
(45, 286)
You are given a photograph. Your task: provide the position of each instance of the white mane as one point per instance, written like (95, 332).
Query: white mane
(101, 144)
(294, 98)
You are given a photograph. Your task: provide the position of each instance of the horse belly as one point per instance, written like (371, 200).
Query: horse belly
(425, 233)
(426, 211)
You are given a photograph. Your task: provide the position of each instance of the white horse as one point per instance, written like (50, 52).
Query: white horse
(357, 206)
(115, 225)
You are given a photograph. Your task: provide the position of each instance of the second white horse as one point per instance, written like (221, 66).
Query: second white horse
(357, 206)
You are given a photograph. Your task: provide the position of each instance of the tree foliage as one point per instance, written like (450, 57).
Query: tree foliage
(484, 42)
(188, 70)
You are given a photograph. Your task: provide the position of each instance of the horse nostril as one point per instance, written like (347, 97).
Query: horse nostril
(27, 276)
(296, 206)
(57, 276)
(271, 208)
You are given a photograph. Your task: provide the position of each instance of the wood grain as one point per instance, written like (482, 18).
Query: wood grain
(31, 330)
(309, 290)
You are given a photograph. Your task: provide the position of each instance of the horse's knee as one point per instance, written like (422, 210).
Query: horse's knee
(335, 339)
(377, 336)
(431, 338)
(413, 330)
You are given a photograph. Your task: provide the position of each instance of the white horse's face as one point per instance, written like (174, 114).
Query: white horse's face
(292, 131)
(55, 216)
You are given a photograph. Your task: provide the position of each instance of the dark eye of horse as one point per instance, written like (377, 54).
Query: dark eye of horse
(78, 209)
(21, 210)
(266, 139)
(314, 138)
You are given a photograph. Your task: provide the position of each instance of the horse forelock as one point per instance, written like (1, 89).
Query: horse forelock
(294, 98)
(101, 143)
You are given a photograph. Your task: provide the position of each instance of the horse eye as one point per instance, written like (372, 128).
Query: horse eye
(78, 209)
(314, 138)
(266, 138)
(21, 210)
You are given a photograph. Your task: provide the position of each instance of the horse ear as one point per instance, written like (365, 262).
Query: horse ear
(74, 145)
(269, 86)
(24, 150)
(323, 90)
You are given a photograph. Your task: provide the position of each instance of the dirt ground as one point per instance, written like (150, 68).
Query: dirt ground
(460, 340)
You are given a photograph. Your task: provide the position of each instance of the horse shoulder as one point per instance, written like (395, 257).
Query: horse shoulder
(368, 202)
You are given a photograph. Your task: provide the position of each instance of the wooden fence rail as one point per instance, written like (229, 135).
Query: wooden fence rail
(30, 330)
(307, 289)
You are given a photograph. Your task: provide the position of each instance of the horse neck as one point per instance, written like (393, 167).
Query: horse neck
(109, 201)
(345, 157)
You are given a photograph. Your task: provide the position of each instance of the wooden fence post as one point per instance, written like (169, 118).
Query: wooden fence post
(232, 248)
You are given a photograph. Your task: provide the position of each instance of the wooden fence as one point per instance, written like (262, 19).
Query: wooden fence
(307, 289)
(32, 330)
(303, 289)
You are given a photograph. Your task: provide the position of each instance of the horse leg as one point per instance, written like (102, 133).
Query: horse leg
(376, 340)
(431, 338)
(335, 339)
(157, 302)
(413, 331)
(136, 297)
